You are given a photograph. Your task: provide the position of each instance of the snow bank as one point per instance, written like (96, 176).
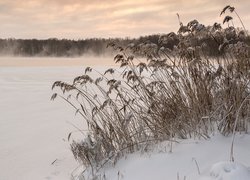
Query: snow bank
(162, 165)
(228, 171)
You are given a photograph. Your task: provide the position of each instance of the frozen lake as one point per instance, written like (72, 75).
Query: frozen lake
(33, 129)
(55, 62)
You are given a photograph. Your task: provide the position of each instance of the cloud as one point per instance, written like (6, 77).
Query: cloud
(110, 18)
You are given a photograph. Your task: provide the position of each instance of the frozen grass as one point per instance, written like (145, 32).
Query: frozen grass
(179, 93)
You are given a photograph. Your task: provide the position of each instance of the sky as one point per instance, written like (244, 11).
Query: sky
(80, 19)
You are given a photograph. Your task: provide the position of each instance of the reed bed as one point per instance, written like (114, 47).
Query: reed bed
(162, 94)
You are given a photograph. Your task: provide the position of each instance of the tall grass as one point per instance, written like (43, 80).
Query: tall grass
(167, 94)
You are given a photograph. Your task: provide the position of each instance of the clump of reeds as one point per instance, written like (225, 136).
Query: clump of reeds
(176, 92)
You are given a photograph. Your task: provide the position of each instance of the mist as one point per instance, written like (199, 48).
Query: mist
(55, 48)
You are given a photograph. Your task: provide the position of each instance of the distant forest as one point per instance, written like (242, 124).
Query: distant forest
(208, 37)
(64, 47)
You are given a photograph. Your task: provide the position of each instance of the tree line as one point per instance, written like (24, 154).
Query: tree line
(207, 36)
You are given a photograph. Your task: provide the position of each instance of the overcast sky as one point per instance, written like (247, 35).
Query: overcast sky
(78, 19)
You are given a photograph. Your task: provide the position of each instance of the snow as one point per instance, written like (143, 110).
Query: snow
(228, 171)
(34, 130)
(211, 156)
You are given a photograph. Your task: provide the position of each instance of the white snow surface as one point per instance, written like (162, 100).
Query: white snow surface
(211, 156)
(228, 171)
(34, 130)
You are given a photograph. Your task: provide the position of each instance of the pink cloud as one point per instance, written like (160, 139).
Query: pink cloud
(105, 18)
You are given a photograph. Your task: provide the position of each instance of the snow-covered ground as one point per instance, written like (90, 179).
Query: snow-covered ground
(33, 129)
(211, 157)
(34, 146)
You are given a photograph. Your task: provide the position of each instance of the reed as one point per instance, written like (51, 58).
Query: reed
(163, 94)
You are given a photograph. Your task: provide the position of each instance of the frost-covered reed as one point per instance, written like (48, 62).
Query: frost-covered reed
(177, 92)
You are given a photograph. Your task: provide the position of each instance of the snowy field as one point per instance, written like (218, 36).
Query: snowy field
(34, 146)
(33, 128)
(211, 157)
